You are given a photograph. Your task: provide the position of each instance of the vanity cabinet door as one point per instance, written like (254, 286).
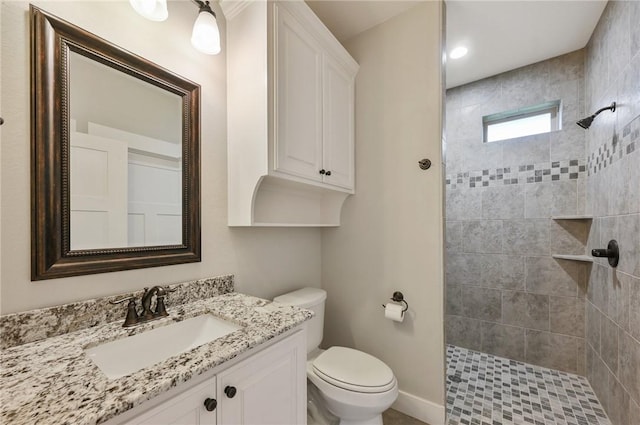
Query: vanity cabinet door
(187, 408)
(268, 388)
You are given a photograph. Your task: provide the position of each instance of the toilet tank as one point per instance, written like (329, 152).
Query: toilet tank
(311, 299)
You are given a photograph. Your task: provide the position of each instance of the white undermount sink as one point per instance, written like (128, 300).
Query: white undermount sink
(125, 356)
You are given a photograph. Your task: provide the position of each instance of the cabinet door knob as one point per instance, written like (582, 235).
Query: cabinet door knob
(230, 391)
(322, 171)
(210, 404)
(328, 173)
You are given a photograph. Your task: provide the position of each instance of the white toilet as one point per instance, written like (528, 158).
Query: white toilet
(355, 386)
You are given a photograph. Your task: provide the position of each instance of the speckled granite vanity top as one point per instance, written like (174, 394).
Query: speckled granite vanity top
(52, 381)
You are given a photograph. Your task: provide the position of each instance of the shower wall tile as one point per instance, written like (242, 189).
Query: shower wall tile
(548, 276)
(629, 373)
(609, 348)
(634, 14)
(463, 332)
(525, 310)
(463, 269)
(551, 350)
(551, 199)
(500, 271)
(482, 303)
(592, 326)
(568, 143)
(599, 283)
(503, 340)
(566, 316)
(629, 242)
(618, 403)
(454, 236)
(634, 312)
(464, 204)
(567, 67)
(581, 357)
(534, 149)
(505, 202)
(526, 237)
(612, 195)
(634, 412)
(618, 297)
(482, 236)
(454, 300)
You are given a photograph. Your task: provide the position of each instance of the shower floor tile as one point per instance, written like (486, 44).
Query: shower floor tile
(497, 391)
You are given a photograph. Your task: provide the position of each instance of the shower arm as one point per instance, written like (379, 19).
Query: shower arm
(612, 107)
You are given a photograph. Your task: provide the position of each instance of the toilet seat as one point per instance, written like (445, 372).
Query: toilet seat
(353, 370)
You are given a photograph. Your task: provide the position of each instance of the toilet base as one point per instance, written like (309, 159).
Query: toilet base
(376, 420)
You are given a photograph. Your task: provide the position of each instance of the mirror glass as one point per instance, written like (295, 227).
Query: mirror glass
(125, 159)
(115, 142)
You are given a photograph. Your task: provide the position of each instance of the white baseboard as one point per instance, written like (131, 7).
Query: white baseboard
(419, 408)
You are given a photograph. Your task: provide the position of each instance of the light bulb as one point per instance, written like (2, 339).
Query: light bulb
(206, 36)
(458, 52)
(154, 10)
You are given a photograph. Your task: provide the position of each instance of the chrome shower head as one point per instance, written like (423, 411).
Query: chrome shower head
(586, 122)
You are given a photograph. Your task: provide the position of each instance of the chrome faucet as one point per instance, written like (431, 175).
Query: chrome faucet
(147, 314)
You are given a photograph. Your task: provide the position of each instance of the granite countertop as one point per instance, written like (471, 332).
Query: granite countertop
(53, 381)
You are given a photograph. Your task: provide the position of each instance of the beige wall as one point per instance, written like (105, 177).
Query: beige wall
(266, 261)
(391, 236)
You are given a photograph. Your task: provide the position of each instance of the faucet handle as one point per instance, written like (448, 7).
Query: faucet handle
(121, 300)
(132, 315)
(161, 310)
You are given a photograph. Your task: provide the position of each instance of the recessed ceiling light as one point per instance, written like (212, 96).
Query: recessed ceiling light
(458, 52)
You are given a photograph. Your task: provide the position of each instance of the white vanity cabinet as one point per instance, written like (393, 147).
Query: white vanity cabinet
(268, 387)
(290, 91)
(186, 408)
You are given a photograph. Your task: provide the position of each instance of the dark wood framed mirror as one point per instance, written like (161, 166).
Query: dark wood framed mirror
(115, 166)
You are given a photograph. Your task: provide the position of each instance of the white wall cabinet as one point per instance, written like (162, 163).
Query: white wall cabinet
(268, 387)
(290, 116)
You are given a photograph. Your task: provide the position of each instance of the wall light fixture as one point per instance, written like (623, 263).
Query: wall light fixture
(153, 10)
(205, 36)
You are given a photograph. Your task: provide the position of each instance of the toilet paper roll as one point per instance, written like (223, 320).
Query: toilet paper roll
(394, 312)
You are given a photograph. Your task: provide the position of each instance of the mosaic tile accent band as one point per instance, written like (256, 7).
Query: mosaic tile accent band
(522, 174)
(616, 148)
(483, 389)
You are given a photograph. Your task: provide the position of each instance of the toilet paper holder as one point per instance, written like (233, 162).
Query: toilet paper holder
(399, 298)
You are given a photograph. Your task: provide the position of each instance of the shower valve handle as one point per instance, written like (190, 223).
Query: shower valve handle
(611, 252)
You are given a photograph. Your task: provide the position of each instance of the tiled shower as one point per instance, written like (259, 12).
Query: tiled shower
(515, 204)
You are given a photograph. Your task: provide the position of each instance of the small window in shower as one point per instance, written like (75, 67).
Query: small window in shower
(521, 122)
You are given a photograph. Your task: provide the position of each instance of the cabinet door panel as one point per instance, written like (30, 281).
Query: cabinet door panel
(298, 139)
(338, 105)
(184, 409)
(270, 387)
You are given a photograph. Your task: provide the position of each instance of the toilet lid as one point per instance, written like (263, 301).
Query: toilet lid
(353, 370)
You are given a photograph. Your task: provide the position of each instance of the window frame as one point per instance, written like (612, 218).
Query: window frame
(553, 107)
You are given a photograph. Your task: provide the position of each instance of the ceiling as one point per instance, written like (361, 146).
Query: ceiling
(346, 18)
(504, 35)
(500, 35)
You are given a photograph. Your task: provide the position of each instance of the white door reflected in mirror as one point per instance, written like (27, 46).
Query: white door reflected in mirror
(125, 160)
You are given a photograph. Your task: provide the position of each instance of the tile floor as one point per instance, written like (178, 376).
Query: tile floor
(497, 391)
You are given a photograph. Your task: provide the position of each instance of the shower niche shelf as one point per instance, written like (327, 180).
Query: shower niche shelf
(572, 217)
(580, 258)
(586, 259)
